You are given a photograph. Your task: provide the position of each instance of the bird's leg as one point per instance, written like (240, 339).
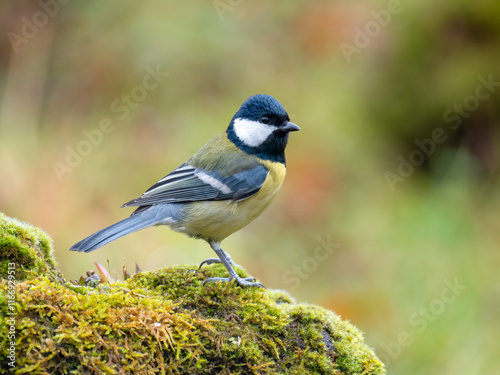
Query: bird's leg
(226, 260)
(217, 260)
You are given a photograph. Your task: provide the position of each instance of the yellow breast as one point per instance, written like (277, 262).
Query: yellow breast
(214, 221)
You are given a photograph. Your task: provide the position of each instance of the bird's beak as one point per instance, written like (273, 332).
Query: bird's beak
(290, 127)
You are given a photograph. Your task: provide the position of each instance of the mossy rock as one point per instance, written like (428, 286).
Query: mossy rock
(28, 249)
(167, 322)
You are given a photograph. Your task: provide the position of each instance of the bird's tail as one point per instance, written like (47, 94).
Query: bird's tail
(104, 236)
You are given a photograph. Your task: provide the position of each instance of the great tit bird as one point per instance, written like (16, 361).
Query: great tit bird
(222, 188)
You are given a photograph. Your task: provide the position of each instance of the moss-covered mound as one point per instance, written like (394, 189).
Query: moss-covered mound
(28, 248)
(167, 322)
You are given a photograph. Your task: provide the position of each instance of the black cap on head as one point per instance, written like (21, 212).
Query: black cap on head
(259, 105)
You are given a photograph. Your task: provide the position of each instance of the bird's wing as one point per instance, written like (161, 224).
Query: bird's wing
(190, 184)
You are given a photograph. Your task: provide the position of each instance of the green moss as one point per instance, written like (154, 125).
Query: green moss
(28, 248)
(167, 322)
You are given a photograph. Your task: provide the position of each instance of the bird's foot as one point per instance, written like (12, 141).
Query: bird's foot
(247, 281)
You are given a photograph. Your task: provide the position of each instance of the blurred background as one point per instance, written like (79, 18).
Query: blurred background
(389, 214)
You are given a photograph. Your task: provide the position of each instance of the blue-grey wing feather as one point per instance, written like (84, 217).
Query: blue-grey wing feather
(190, 184)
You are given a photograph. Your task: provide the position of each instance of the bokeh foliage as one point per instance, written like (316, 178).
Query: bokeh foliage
(396, 247)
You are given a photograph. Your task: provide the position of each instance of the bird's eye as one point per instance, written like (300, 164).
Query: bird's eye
(265, 120)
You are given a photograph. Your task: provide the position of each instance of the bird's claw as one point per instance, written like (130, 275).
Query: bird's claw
(209, 261)
(247, 281)
(215, 261)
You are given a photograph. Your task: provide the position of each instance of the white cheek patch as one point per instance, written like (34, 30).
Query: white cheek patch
(252, 133)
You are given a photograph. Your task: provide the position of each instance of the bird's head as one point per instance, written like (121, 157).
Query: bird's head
(261, 127)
